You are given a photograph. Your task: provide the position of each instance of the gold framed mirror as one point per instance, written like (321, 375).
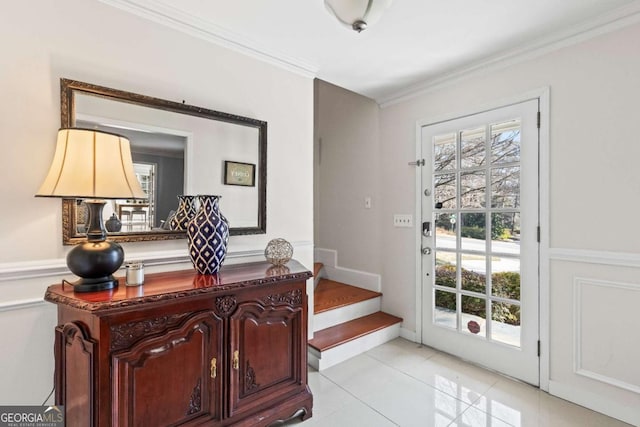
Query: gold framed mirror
(177, 149)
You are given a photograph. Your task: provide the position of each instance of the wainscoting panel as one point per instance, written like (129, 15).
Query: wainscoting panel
(594, 327)
(27, 355)
(606, 347)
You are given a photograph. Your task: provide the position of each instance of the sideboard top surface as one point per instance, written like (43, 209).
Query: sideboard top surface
(177, 284)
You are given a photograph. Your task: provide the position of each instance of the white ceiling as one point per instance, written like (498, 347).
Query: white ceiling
(416, 42)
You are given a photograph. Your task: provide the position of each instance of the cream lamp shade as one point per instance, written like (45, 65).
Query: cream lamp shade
(357, 14)
(91, 164)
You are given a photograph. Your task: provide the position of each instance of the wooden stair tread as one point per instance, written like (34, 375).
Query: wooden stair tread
(348, 331)
(329, 295)
(317, 266)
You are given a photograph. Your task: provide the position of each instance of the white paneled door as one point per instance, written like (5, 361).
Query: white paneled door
(479, 236)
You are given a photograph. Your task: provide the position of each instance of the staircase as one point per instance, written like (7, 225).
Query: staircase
(347, 322)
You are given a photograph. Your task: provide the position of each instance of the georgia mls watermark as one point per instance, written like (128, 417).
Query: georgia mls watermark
(31, 416)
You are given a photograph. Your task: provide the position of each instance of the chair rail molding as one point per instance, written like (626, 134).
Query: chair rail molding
(22, 270)
(23, 304)
(622, 259)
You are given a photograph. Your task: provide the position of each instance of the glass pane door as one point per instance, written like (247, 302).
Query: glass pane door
(480, 188)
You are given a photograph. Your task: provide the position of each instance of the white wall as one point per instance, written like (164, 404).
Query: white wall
(92, 42)
(347, 163)
(594, 198)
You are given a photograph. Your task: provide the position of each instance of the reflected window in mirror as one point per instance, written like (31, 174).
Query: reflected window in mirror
(159, 164)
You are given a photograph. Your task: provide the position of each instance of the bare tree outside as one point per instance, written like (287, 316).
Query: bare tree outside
(477, 196)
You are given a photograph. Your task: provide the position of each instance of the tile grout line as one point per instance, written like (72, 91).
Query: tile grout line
(429, 385)
(406, 375)
(358, 399)
(468, 405)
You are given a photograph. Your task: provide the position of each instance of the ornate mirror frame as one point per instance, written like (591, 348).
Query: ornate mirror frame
(68, 90)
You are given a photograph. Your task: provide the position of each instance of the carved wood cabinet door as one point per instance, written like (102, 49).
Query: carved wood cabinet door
(265, 353)
(172, 377)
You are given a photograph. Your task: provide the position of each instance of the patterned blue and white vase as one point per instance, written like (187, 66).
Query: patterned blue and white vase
(207, 236)
(186, 212)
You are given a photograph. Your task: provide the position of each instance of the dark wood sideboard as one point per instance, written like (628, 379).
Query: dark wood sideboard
(186, 349)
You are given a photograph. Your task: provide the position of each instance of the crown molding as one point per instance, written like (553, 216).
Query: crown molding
(607, 23)
(172, 17)
(162, 13)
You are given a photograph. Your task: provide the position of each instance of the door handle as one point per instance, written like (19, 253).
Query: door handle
(236, 360)
(426, 250)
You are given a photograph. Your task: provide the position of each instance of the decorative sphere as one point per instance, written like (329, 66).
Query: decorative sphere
(278, 251)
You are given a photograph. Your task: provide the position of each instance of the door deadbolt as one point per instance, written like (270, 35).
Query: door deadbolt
(426, 251)
(426, 229)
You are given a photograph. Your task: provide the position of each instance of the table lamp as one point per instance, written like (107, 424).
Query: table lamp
(92, 165)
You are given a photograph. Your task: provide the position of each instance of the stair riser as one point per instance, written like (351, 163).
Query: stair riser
(329, 318)
(333, 356)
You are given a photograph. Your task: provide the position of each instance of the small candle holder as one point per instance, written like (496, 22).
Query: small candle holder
(134, 274)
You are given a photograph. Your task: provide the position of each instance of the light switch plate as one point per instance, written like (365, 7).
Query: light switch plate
(403, 220)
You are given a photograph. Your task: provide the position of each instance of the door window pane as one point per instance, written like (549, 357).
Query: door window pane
(444, 152)
(446, 231)
(445, 269)
(473, 231)
(505, 277)
(505, 323)
(473, 274)
(445, 190)
(505, 232)
(472, 190)
(472, 148)
(473, 316)
(505, 187)
(444, 313)
(505, 142)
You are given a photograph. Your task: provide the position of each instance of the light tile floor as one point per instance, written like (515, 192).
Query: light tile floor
(402, 384)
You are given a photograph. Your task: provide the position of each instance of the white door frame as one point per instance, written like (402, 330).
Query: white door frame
(542, 95)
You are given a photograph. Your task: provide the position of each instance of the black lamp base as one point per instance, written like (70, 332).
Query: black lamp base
(95, 260)
(97, 284)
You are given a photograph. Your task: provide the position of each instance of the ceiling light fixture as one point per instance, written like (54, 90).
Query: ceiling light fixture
(357, 14)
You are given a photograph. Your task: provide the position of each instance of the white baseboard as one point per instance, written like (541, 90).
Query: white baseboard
(628, 413)
(351, 349)
(361, 279)
(409, 335)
